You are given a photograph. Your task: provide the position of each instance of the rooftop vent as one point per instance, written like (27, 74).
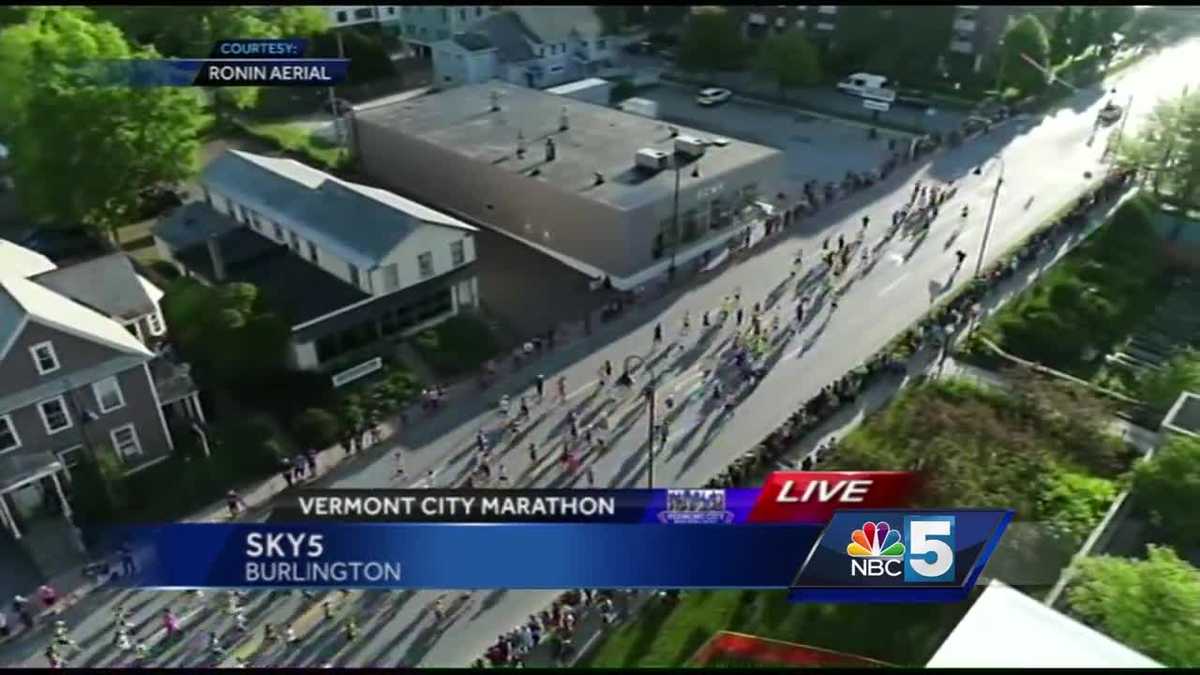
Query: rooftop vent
(563, 123)
(599, 179)
(690, 146)
(672, 131)
(520, 144)
(550, 150)
(720, 141)
(495, 98)
(649, 158)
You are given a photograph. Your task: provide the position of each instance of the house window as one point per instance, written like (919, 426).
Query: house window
(425, 264)
(125, 441)
(391, 277)
(295, 241)
(253, 216)
(341, 17)
(108, 394)
(278, 231)
(54, 415)
(70, 458)
(458, 254)
(354, 277)
(8, 435)
(44, 357)
(391, 11)
(312, 252)
(156, 323)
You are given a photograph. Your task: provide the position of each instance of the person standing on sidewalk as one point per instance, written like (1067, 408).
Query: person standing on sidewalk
(540, 386)
(562, 388)
(235, 503)
(170, 624)
(310, 458)
(128, 568)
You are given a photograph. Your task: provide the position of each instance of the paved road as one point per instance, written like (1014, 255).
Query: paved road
(1045, 164)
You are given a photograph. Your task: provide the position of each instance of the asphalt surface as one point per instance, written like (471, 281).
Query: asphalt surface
(1045, 162)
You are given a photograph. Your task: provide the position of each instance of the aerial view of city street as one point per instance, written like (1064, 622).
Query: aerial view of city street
(603, 248)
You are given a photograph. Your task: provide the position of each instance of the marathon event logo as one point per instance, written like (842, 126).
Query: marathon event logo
(696, 506)
(900, 556)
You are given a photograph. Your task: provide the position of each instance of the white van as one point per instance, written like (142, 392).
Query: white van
(866, 85)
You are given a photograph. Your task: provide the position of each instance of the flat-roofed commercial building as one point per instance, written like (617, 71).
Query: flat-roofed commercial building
(587, 184)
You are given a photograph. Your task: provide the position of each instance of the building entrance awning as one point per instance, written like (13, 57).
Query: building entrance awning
(19, 467)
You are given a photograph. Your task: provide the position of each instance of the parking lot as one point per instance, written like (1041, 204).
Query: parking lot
(816, 148)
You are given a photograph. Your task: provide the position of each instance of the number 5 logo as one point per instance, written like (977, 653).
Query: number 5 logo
(930, 555)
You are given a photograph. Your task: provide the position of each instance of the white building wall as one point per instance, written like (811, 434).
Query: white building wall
(350, 15)
(432, 239)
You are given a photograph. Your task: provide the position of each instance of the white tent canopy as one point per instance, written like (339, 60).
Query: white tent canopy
(1007, 629)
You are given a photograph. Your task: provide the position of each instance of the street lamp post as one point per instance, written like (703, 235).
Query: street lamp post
(674, 221)
(631, 362)
(987, 230)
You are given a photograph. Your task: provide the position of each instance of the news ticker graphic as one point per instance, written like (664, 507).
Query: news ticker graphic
(828, 536)
(786, 497)
(231, 63)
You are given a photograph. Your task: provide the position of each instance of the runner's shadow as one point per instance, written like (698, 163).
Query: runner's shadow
(490, 601)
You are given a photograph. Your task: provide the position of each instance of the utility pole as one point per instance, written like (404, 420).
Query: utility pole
(333, 102)
(987, 230)
(674, 230)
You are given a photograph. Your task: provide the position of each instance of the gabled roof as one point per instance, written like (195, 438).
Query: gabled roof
(22, 300)
(556, 23)
(16, 260)
(107, 284)
(1007, 629)
(472, 42)
(508, 35)
(355, 222)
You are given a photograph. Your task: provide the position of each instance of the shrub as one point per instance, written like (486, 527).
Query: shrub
(315, 428)
(251, 444)
(458, 345)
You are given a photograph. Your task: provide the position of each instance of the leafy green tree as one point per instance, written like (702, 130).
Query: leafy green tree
(1025, 39)
(1160, 388)
(789, 59)
(612, 17)
(666, 17)
(1152, 605)
(316, 428)
(1085, 30)
(191, 31)
(1073, 503)
(1168, 487)
(864, 31)
(918, 39)
(84, 153)
(712, 42)
(1113, 19)
(1169, 146)
(1060, 35)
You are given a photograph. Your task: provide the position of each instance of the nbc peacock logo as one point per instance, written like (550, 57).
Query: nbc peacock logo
(875, 550)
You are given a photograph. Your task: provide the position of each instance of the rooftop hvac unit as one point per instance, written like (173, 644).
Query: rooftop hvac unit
(649, 158)
(690, 146)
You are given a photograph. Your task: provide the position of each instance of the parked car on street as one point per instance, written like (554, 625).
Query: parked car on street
(713, 96)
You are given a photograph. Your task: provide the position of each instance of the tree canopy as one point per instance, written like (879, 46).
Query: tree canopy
(1085, 30)
(789, 59)
(1168, 487)
(1060, 34)
(190, 31)
(1152, 605)
(713, 41)
(83, 152)
(1169, 145)
(1025, 39)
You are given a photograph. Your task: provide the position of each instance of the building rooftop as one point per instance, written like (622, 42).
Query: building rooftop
(472, 42)
(1184, 416)
(16, 260)
(1007, 629)
(296, 289)
(599, 140)
(507, 34)
(358, 223)
(107, 284)
(577, 85)
(22, 299)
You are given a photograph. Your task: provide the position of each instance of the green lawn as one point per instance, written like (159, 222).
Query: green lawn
(458, 345)
(295, 138)
(900, 634)
(1092, 298)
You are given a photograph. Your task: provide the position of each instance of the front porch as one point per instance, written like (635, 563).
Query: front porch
(40, 539)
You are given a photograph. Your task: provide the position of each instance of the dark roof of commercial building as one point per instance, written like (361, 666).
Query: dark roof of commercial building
(599, 140)
(297, 290)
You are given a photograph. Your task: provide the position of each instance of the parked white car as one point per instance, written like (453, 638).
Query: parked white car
(713, 96)
(868, 86)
